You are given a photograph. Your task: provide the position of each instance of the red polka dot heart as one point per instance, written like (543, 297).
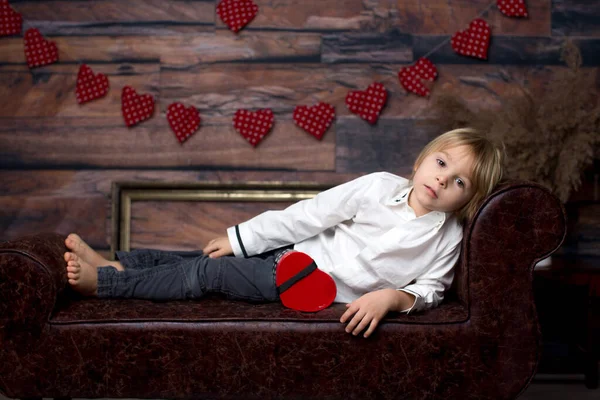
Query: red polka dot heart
(369, 103)
(11, 22)
(314, 120)
(411, 78)
(39, 51)
(184, 121)
(253, 126)
(473, 42)
(89, 86)
(236, 14)
(136, 108)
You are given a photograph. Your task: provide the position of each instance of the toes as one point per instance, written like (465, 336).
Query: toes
(73, 268)
(72, 275)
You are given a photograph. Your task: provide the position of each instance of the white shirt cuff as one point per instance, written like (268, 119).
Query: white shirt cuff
(408, 310)
(233, 240)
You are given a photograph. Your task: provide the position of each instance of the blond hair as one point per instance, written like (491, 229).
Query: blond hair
(488, 165)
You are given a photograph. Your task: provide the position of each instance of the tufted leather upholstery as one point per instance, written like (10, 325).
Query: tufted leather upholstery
(482, 342)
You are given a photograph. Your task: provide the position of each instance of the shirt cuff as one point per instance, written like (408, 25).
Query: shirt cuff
(233, 240)
(417, 297)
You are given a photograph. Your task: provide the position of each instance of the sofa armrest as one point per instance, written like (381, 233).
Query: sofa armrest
(519, 224)
(32, 278)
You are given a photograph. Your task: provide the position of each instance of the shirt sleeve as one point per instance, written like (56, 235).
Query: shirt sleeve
(429, 288)
(304, 219)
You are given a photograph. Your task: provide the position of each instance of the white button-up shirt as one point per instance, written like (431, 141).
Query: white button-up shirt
(366, 237)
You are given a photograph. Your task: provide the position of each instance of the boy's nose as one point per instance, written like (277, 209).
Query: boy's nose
(442, 180)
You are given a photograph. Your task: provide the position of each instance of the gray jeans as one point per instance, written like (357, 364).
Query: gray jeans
(175, 275)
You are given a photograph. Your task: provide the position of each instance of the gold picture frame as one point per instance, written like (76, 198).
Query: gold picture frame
(124, 193)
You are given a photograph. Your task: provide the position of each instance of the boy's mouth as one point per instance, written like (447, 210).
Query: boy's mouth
(431, 192)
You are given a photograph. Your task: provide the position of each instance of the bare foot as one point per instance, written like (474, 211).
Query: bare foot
(87, 254)
(83, 277)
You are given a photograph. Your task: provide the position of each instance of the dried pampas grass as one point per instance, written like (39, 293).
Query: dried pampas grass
(550, 137)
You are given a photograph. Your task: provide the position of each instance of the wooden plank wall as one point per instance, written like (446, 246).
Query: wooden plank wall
(58, 159)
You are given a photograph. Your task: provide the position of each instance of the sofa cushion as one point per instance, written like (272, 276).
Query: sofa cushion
(93, 310)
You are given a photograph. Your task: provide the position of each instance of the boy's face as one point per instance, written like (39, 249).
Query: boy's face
(443, 181)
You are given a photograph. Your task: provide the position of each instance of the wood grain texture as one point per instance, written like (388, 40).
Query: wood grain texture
(50, 91)
(186, 225)
(390, 145)
(312, 15)
(445, 17)
(108, 143)
(28, 215)
(220, 90)
(508, 50)
(115, 17)
(182, 50)
(65, 201)
(575, 18)
(391, 47)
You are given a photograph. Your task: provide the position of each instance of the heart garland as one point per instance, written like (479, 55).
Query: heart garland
(39, 51)
(316, 119)
(135, 108)
(11, 22)
(236, 14)
(367, 104)
(411, 77)
(512, 8)
(89, 86)
(473, 42)
(184, 122)
(253, 126)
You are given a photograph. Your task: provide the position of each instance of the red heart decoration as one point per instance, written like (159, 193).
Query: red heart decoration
(253, 126)
(135, 107)
(410, 77)
(39, 51)
(11, 21)
(473, 42)
(314, 120)
(236, 13)
(368, 104)
(89, 86)
(302, 286)
(184, 122)
(513, 8)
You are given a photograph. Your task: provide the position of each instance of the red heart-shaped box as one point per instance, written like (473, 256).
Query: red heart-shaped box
(512, 8)
(473, 42)
(302, 286)
(90, 86)
(369, 103)
(411, 77)
(135, 107)
(184, 122)
(253, 126)
(314, 120)
(11, 22)
(236, 13)
(39, 51)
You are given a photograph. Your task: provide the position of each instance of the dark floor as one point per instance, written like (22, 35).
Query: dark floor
(542, 389)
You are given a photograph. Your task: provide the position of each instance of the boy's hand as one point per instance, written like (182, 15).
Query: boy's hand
(218, 247)
(368, 310)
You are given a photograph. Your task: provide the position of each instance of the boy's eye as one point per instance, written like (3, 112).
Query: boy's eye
(460, 182)
(441, 162)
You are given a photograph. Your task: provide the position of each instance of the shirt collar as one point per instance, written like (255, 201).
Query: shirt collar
(438, 217)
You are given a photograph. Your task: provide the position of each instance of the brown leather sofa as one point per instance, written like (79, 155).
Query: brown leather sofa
(483, 341)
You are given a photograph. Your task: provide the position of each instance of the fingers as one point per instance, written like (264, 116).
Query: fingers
(216, 254)
(348, 312)
(352, 325)
(372, 327)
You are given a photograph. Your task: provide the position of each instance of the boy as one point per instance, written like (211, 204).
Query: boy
(389, 243)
